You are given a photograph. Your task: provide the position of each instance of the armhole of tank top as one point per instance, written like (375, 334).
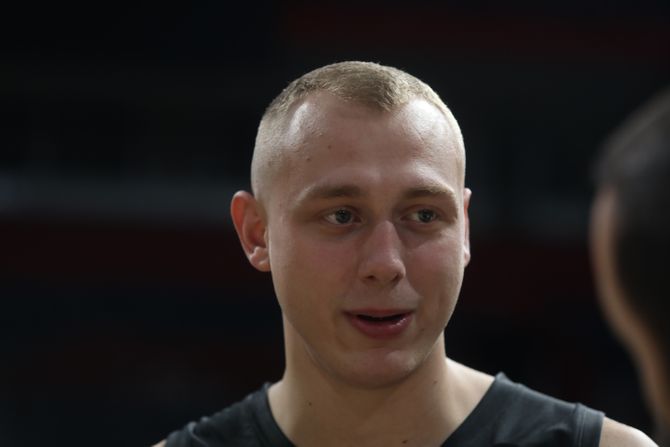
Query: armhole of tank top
(175, 439)
(589, 428)
(183, 438)
(172, 440)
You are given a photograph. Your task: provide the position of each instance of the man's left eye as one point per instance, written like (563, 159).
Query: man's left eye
(340, 217)
(424, 215)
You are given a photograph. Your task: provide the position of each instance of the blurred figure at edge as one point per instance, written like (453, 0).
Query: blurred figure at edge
(630, 244)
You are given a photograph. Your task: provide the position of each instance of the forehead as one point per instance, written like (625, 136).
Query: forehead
(327, 139)
(321, 110)
(418, 127)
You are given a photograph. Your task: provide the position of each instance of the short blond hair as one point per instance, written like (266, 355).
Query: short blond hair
(376, 86)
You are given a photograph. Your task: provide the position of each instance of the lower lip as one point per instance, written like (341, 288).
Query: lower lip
(381, 329)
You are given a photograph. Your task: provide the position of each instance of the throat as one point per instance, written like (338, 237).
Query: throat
(419, 410)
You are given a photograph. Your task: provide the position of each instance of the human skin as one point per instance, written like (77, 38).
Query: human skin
(367, 213)
(395, 182)
(384, 172)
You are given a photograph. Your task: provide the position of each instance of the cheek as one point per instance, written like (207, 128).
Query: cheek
(300, 262)
(436, 271)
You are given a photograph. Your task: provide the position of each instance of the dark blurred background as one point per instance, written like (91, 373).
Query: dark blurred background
(128, 307)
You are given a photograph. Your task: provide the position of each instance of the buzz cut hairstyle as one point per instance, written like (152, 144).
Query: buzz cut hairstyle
(635, 166)
(376, 86)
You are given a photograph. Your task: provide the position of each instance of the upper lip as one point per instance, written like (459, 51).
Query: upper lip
(378, 313)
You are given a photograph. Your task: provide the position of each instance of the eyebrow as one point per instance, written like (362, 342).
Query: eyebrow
(330, 192)
(352, 191)
(430, 191)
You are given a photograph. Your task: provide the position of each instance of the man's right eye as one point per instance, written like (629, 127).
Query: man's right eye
(340, 217)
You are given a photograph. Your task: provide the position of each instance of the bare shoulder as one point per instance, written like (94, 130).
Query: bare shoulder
(616, 434)
(160, 444)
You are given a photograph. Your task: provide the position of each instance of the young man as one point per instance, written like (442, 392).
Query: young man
(630, 240)
(360, 213)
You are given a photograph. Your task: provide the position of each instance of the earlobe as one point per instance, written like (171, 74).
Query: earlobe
(466, 225)
(250, 225)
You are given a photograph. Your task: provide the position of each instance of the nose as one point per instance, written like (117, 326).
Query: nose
(382, 261)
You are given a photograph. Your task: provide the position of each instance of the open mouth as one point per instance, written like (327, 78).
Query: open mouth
(385, 319)
(381, 324)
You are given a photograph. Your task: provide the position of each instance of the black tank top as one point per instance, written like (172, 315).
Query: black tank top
(509, 415)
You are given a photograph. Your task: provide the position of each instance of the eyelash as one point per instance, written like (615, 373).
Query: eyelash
(331, 217)
(433, 218)
(334, 218)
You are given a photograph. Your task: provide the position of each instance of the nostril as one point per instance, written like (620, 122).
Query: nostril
(386, 277)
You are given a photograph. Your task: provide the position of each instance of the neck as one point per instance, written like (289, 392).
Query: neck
(314, 408)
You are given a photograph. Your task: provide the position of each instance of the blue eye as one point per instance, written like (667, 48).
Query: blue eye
(340, 217)
(425, 215)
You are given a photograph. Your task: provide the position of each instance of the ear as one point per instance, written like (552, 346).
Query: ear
(466, 225)
(249, 220)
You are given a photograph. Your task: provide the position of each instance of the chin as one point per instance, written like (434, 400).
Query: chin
(374, 372)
